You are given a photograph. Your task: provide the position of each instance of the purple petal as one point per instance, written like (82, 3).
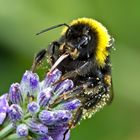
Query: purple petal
(62, 116)
(30, 82)
(70, 105)
(22, 130)
(37, 128)
(58, 133)
(15, 112)
(64, 86)
(33, 107)
(15, 94)
(44, 97)
(52, 77)
(3, 107)
(61, 88)
(47, 117)
(58, 117)
(46, 137)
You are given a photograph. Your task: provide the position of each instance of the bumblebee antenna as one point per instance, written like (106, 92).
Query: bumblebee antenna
(53, 27)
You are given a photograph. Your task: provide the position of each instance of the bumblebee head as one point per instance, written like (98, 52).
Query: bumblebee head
(77, 44)
(84, 38)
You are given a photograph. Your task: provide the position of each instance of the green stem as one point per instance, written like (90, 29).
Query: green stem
(5, 131)
(12, 137)
(27, 116)
(15, 137)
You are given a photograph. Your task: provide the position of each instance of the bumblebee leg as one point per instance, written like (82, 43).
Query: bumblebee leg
(39, 57)
(51, 48)
(74, 93)
(75, 120)
(77, 117)
(52, 52)
(79, 71)
(74, 73)
(88, 90)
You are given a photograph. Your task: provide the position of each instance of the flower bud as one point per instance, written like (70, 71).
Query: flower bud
(58, 133)
(46, 137)
(55, 117)
(22, 130)
(70, 105)
(52, 77)
(64, 86)
(30, 82)
(33, 107)
(47, 117)
(44, 97)
(62, 116)
(3, 107)
(15, 94)
(15, 112)
(37, 128)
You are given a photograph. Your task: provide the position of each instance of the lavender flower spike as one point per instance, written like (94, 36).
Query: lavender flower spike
(3, 107)
(31, 109)
(22, 130)
(15, 94)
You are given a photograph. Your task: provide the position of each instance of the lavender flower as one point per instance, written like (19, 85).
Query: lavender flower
(69, 105)
(64, 86)
(46, 137)
(15, 94)
(47, 117)
(37, 128)
(44, 96)
(30, 83)
(33, 107)
(62, 116)
(55, 117)
(52, 77)
(31, 111)
(57, 133)
(15, 112)
(22, 130)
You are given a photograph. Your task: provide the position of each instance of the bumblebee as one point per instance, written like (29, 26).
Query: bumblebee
(82, 53)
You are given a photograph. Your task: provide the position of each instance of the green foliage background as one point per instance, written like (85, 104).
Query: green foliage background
(21, 19)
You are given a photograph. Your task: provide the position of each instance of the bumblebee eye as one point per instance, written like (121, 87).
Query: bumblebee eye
(83, 41)
(69, 32)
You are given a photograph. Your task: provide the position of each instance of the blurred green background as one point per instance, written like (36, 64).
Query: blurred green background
(21, 19)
